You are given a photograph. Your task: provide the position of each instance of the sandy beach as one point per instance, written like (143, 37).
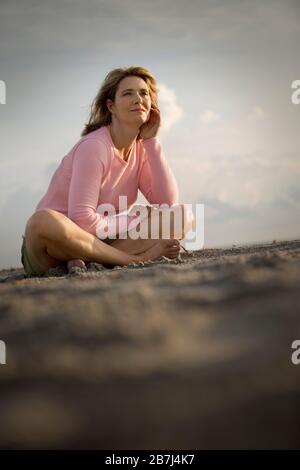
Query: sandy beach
(192, 353)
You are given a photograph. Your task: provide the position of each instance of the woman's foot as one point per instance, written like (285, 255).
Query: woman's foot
(168, 248)
(78, 263)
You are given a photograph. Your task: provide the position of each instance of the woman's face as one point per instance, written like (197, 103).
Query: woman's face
(132, 94)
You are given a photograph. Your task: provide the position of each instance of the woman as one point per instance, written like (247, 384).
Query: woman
(119, 152)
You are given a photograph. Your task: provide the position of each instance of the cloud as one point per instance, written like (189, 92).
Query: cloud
(257, 113)
(224, 225)
(170, 109)
(209, 117)
(244, 182)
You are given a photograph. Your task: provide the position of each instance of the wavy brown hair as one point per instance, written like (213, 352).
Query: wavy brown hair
(100, 115)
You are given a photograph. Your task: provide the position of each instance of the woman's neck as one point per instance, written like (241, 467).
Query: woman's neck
(123, 139)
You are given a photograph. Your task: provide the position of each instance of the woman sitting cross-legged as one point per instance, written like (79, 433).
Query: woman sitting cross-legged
(119, 153)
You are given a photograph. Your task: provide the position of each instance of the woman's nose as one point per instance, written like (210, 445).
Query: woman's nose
(138, 99)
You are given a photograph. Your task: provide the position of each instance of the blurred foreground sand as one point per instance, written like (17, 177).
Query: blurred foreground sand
(194, 353)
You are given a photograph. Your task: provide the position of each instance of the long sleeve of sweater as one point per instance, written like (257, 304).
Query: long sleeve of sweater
(90, 160)
(157, 182)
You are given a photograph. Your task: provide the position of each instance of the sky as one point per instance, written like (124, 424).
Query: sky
(230, 130)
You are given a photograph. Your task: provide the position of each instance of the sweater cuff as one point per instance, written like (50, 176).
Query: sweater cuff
(151, 140)
(152, 147)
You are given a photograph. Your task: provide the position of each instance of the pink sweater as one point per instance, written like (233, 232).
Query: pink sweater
(93, 173)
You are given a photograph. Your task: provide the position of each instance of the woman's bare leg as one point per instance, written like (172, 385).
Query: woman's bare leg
(53, 239)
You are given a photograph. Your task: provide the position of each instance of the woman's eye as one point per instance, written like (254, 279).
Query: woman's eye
(128, 93)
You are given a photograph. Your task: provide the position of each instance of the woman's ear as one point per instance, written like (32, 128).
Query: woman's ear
(109, 104)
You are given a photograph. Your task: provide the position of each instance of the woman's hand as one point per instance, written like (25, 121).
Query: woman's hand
(150, 128)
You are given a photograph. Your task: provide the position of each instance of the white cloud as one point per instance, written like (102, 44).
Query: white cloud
(170, 109)
(242, 182)
(208, 117)
(250, 132)
(257, 113)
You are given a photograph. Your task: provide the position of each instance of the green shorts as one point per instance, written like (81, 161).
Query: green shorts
(31, 268)
(29, 265)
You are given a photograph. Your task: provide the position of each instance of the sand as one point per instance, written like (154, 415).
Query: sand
(192, 353)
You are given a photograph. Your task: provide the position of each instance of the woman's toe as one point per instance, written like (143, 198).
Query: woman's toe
(76, 263)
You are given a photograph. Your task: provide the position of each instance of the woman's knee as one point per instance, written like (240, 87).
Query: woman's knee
(173, 222)
(181, 220)
(189, 218)
(44, 222)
